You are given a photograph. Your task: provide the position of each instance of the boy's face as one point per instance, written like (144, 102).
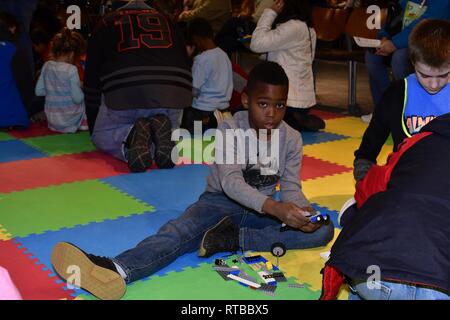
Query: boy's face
(432, 80)
(266, 105)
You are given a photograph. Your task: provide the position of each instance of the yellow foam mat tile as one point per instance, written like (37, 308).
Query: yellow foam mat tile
(330, 192)
(305, 266)
(342, 152)
(4, 235)
(348, 126)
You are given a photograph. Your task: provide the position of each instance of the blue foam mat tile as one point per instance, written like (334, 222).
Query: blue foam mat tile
(15, 150)
(107, 238)
(174, 189)
(333, 214)
(310, 138)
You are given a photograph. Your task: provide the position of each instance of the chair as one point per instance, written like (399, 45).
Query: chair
(331, 24)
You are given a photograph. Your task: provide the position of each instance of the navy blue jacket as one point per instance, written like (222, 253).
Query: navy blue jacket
(405, 228)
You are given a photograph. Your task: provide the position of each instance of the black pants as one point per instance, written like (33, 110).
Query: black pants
(190, 115)
(301, 120)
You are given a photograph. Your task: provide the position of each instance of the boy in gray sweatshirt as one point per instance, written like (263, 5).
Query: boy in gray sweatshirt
(254, 151)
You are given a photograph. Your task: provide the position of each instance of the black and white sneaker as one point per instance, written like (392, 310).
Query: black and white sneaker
(138, 143)
(161, 132)
(97, 275)
(223, 237)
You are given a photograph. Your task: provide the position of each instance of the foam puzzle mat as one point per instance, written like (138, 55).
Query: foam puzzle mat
(58, 187)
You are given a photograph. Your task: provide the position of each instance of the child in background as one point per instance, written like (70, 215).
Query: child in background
(212, 77)
(285, 33)
(60, 83)
(409, 104)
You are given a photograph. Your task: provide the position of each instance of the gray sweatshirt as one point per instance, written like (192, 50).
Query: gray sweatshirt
(246, 181)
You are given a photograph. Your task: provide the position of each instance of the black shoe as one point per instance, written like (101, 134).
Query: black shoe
(98, 275)
(223, 237)
(311, 122)
(161, 137)
(139, 155)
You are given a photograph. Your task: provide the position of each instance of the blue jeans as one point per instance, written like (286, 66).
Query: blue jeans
(113, 126)
(394, 291)
(378, 71)
(184, 234)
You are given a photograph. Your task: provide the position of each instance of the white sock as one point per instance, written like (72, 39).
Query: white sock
(120, 271)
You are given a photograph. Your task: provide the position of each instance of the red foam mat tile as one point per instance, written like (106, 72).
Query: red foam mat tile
(36, 129)
(32, 282)
(42, 172)
(313, 168)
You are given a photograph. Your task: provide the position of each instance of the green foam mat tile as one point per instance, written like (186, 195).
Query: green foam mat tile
(38, 210)
(203, 283)
(55, 145)
(4, 136)
(197, 150)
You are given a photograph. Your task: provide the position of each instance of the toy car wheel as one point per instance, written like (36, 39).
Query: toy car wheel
(278, 249)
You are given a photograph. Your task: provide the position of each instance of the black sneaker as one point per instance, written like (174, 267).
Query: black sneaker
(98, 275)
(223, 237)
(161, 137)
(138, 142)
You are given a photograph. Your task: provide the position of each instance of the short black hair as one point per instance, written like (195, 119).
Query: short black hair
(201, 28)
(266, 72)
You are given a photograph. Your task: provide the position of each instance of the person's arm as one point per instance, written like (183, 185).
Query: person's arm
(379, 129)
(40, 85)
(291, 189)
(435, 10)
(378, 177)
(75, 86)
(265, 39)
(208, 9)
(200, 75)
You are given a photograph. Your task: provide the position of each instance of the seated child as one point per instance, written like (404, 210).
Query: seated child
(12, 108)
(212, 77)
(400, 225)
(60, 83)
(235, 211)
(410, 104)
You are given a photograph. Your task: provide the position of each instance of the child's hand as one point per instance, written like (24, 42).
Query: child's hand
(277, 6)
(386, 48)
(190, 50)
(291, 215)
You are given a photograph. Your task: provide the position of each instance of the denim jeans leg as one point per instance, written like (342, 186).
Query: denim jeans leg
(177, 237)
(401, 65)
(111, 130)
(259, 232)
(378, 76)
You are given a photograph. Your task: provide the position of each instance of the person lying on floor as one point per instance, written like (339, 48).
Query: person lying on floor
(395, 239)
(236, 211)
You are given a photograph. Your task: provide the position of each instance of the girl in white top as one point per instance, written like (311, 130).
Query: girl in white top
(285, 32)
